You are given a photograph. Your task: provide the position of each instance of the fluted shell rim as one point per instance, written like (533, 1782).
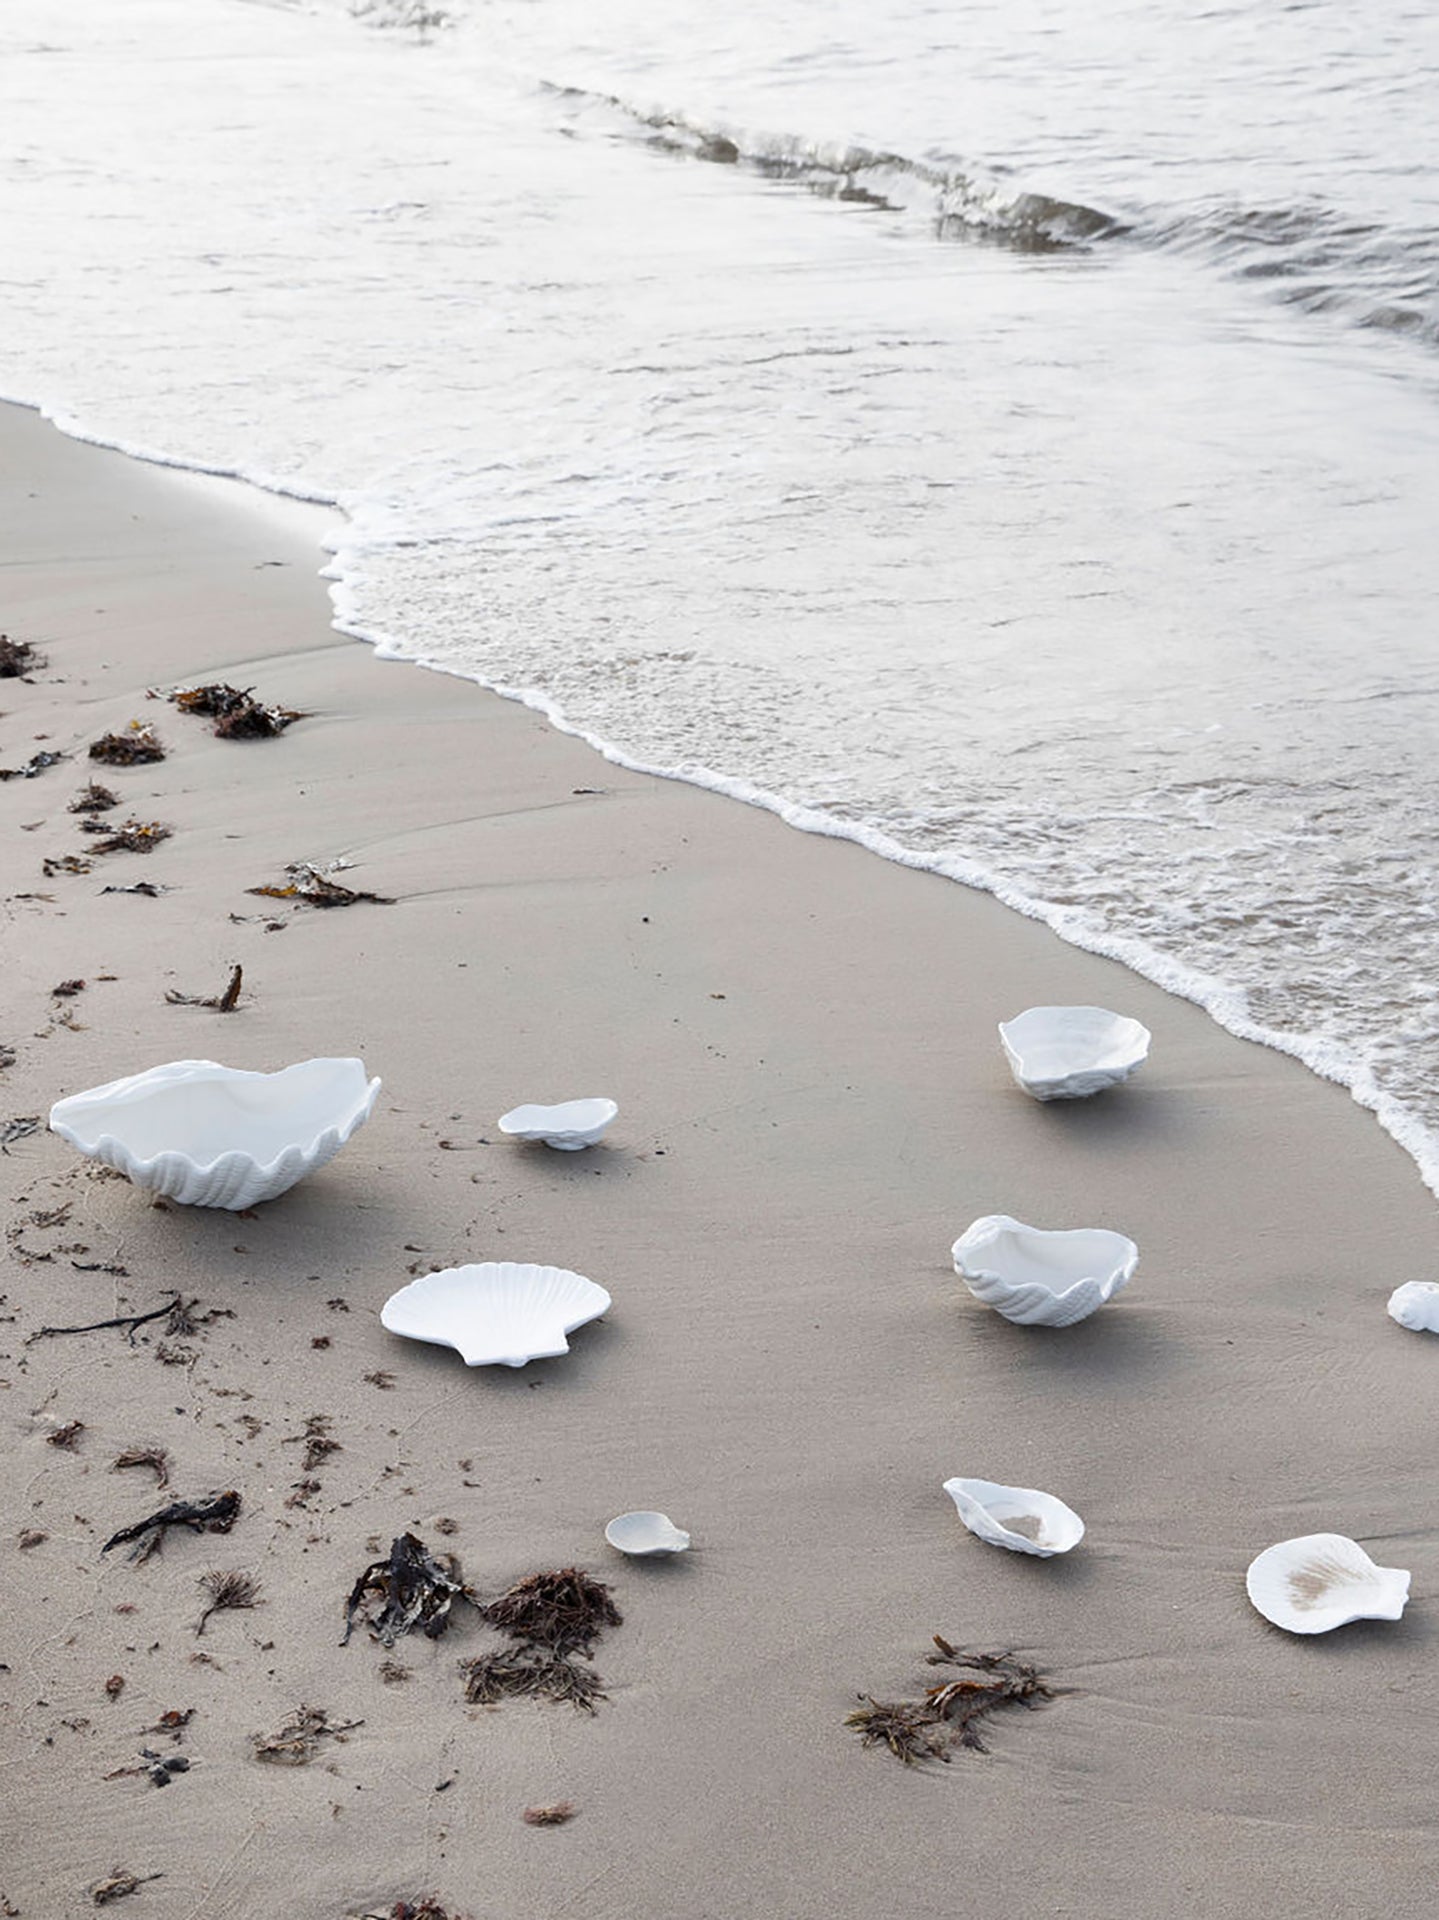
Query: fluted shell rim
(234, 1177)
(1387, 1588)
(1033, 1302)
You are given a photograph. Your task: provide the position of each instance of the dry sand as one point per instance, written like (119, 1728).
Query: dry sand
(813, 1106)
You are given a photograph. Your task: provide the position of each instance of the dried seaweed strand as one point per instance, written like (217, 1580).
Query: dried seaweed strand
(225, 1002)
(298, 1740)
(305, 882)
(948, 1715)
(228, 1589)
(128, 1320)
(215, 1515)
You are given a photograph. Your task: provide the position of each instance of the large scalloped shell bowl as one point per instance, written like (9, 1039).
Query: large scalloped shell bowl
(1069, 1053)
(1041, 1279)
(498, 1313)
(1021, 1519)
(213, 1136)
(1321, 1581)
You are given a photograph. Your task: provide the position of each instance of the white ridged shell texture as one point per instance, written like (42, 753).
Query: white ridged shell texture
(497, 1313)
(1042, 1279)
(213, 1136)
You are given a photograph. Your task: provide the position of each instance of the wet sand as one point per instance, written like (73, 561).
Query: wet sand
(813, 1106)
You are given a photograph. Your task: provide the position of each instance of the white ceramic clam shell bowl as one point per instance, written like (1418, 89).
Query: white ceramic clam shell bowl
(1039, 1278)
(1321, 1581)
(498, 1313)
(645, 1536)
(568, 1127)
(1068, 1053)
(213, 1136)
(1415, 1305)
(1019, 1518)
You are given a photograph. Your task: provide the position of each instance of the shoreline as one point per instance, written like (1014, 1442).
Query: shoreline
(1225, 1003)
(813, 1106)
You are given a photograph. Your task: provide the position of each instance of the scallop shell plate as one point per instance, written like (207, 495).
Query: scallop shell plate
(1041, 1279)
(645, 1536)
(1069, 1053)
(213, 1136)
(1321, 1581)
(568, 1127)
(1415, 1305)
(498, 1313)
(1019, 1518)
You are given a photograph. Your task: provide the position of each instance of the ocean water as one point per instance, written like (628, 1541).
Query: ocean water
(1006, 433)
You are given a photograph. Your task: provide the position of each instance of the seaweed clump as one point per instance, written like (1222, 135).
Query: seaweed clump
(17, 658)
(37, 763)
(948, 1716)
(305, 882)
(553, 1617)
(410, 1588)
(236, 713)
(138, 744)
(564, 1612)
(530, 1673)
(135, 836)
(93, 798)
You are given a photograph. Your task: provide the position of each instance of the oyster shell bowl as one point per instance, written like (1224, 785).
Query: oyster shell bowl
(497, 1313)
(1039, 1278)
(646, 1536)
(568, 1127)
(212, 1136)
(1069, 1053)
(1321, 1581)
(1021, 1519)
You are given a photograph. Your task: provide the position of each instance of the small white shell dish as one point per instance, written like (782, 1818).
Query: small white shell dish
(1041, 1279)
(1019, 1518)
(645, 1536)
(1415, 1305)
(213, 1136)
(496, 1314)
(1069, 1053)
(571, 1125)
(1321, 1581)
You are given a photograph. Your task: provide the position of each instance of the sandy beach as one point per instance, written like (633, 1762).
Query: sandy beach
(813, 1106)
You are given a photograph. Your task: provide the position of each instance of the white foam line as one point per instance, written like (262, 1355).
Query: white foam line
(1226, 1004)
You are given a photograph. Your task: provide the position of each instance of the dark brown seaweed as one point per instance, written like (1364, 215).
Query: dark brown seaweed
(215, 1515)
(134, 747)
(411, 1588)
